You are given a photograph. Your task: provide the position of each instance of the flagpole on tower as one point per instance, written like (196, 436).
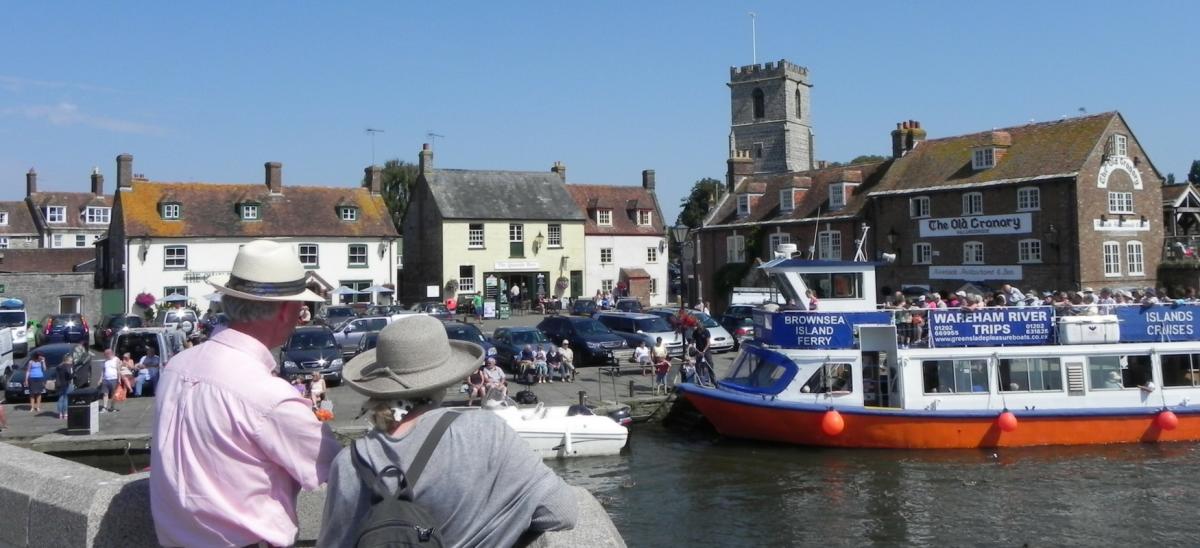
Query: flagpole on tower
(753, 38)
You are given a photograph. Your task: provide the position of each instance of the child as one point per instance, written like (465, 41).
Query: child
(687, 371)
(641, 355)
(660, 375)
(540, 365)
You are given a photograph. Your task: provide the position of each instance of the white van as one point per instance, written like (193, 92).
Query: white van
(12, 315)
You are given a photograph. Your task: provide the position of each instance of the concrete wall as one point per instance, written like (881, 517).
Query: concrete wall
(628, 252)
(48, 501)
(41, 293)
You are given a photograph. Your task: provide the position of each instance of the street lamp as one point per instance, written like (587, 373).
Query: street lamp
(680, 234)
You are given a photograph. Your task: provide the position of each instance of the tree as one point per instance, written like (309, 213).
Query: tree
(399, 177)
(867, 158)
(699, 202)
(1194, 173)
(1170, 179)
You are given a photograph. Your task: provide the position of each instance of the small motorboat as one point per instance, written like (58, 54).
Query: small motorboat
(561, 431)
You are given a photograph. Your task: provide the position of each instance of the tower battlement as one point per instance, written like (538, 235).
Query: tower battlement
(770, 69)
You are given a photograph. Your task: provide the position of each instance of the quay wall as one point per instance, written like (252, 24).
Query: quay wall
(48, 501)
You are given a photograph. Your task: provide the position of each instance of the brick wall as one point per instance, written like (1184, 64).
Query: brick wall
(41, 293)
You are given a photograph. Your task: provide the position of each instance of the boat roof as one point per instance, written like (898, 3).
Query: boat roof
(802, 263)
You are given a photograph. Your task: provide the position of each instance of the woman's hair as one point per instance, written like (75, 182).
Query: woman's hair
(382, 413)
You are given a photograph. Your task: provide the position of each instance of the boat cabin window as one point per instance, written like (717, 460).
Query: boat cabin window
(830, 377)
(1117, 372)
(1030, 375)
(836, 285)
(955, 376)
(762, 372)
(1180, 369)
(784, 286)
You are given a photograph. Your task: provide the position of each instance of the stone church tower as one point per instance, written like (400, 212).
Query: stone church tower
(772, 116)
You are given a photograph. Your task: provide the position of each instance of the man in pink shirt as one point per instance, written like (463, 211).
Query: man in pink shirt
(234, 444)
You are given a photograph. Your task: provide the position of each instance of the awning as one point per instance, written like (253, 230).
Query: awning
(634, 273)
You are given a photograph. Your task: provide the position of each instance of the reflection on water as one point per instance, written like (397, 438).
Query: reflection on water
(674, 488)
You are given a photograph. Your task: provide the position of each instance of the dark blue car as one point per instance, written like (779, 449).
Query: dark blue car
(466, 332)
(509, 342)
(68, 328)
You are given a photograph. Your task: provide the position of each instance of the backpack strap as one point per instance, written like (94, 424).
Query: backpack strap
(418, 464)
(406, 479)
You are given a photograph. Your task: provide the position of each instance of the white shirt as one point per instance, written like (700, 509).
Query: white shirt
(112, 369)
(641, 353)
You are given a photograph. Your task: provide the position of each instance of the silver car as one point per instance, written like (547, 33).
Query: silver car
(348, 333)
(636, 327)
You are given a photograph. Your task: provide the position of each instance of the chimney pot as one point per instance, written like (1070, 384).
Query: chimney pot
(648, 179)
(274, 177)
(561, 169)
(374, 179)
(425, 161)
(124, 171)
(31, 182)
(97, 182)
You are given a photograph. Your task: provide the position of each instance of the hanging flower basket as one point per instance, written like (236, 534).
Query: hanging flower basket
(562, 283)
(144, 300)
(452, 286)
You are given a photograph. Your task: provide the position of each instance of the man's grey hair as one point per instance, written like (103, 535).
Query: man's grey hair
(247, 311)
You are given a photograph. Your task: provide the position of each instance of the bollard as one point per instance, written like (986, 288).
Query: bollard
(631, 389)
(583, 397)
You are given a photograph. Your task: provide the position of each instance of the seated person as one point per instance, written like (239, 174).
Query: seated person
(493, 377)
(540, 365)
(568, 359)
(525, 360)
(554, 362)
(476, 387)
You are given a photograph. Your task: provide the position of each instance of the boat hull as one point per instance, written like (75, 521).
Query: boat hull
(747, 416)
(552, 433)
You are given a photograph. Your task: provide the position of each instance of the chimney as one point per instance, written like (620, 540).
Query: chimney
(905, 137)
(426, 161)
(648, 179)
(124, 171)
(374, 179)
(274, 177)
(97, 182)
(739, 166)
(31, 182)
(561, 169)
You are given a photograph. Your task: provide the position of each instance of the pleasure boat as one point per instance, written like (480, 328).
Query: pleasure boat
(561, 431)
(851, 376)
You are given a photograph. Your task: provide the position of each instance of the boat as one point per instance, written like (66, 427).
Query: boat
(993, 377)
(561, 431)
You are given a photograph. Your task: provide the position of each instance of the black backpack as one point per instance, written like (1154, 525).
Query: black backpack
(394, 520)
(526, 397)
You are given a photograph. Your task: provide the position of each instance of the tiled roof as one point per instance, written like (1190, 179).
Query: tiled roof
(516, 195)
(44, 260)
(75, 202)
(624, 201)
(1172, 193)
(19, 219)
(210, 209)
(814, 185)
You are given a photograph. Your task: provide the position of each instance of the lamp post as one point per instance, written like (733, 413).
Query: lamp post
(680, 234)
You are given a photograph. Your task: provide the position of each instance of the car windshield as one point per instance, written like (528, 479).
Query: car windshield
(312, 340)
(436, 309)
(64, 320)
(467, 333)
(652, 325)
(12, 318)
(528, 337)
(705, 319)
(591, 327)
(584, 305)
(629, 305)
(338, 312)
(54, 354)
(136, 343)
(128, 321)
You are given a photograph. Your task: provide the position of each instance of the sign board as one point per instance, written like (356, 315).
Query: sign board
(489, 309)
(432, 291)
(1031, 325)
(824, 330)
(516, 265)
(976, 225)
(1158, 323)
(976, 273)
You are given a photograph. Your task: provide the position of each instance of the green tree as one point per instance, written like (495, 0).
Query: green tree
(867, 158)
(1194, 173)
(1170, 179)
(399, 178)
(699, 202)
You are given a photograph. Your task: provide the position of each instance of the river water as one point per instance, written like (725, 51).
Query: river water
(676, 489)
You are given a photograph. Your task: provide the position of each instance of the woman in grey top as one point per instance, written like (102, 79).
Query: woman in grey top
(482, 482)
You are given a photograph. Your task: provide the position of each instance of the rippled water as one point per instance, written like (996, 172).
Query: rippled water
(675, 488)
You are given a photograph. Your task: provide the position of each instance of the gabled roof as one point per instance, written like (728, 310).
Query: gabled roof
(75, 202)
(625, 201)
(208, 210)
(514, 195)
(45, 260)
(812, 194)
(19, 219)
(1174, 195)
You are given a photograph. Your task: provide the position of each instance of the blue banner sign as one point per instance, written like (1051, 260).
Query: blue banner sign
(991, 326)
(824, 330)
(1159, 323)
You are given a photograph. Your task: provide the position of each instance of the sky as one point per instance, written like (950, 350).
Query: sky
(209, 91)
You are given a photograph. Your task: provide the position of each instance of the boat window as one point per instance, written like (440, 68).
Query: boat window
(784, 286)
(1030, 375)
(1117, 372)
(1180, 369)
(955, 376)
(838, 285)
(762, 372)
(830, 377)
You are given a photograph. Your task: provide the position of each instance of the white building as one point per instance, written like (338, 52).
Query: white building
(625, 240)
(168, 238)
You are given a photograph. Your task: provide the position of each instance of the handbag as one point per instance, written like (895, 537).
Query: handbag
(51, 384)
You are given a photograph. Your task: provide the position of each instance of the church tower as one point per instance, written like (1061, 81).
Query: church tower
(771, 116)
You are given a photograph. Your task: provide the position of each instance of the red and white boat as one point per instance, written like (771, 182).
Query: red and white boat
(996, 377)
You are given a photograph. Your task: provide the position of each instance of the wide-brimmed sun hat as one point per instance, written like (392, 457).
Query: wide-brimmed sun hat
(412, 357)
(265, 271)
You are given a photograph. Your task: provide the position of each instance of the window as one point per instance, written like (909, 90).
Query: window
(604, 217)
(357, 255)
(3, 243)
(56, 240)
(554, 238)
(56, 214)
(516, 240)
(1030, 375)
(606, 255)
(249, 212)
(735, 249)
(973, 253)
(1029, 251)
(170, 211)
(357, 285)
(97, 215)
(3, 217)
(758, 150)
(68, 304)
(833, 286)
(175, 290)
(81, 240)
(1180, 369)
(777, 239)
(972, 203)
(1117, 372)
(829, 245)
(475, 236)
(1029, 199)
(760, 106)
(466, 278)
(1136, 265)
(652, 254)
(837, 196)
(349, 213)
(799, 104)
(606, 286)
(654, 286)
(787, 199)
(1118, 145)
(955, 376)
(644, 217)
(922, 253)
(1120, 203)
(984, 158)
(743, 204)
(309, 255)
(918, 207)
(174, 257)
(830, 377)
(1112, 259)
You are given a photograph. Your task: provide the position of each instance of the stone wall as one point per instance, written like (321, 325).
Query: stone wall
(41, 293)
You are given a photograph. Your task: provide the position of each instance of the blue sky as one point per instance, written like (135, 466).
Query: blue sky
(210, 91)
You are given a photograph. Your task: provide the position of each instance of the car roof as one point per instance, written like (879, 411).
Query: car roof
(631, 315)
(54, 347)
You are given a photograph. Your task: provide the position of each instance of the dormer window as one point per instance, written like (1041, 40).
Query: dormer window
(839, 194)
(56, 214)
(97, 215)
(644, 217)
(787, 199)
(743, 204)
(984, 158)
(349, 213)
(3, 218)
(604, 217)
(170, 211)
(250, 212)
(1118, 145)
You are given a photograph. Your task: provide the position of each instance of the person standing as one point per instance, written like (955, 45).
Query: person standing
(516, 295)
(704, 347)
(64, 379)
(233, 443)
(305, 315)
(35, 381)
(477, 304)
(109, 380)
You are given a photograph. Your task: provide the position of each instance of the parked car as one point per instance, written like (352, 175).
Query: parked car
(387, 309)
(435, 309)
(509, 341)
(335, 315)
(348, 333)
(71, 328)
(13, 315)
(166, 342)
(584, 307)
(638, 328)
(111, 325)
(628, 304)
(738, 320)
(719, 338)
(15, 390)
(458, 331)
(367, 342)
(312, 349)
(183, 319)
(591, 341)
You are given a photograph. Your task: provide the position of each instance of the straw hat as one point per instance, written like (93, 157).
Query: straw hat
(265, 271)
(413, 357)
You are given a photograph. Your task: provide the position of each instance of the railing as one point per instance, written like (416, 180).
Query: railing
(1181, 248)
